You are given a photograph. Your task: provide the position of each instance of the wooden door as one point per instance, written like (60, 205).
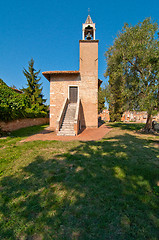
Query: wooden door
(73, 94)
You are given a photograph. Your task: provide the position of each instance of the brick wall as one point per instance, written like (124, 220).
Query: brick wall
(134, 116)
(129, 116)
(104, 115)
(59, 91)
(87, 83)
(22, 123)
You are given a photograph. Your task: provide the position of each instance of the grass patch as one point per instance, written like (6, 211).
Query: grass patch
(106, 189)
(11, 149)
(127, 126)
(25, 132)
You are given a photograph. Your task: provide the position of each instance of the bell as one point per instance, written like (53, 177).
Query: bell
(88, 37)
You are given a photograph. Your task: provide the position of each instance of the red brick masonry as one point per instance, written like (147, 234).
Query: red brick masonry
(129, 116)
(22, 123)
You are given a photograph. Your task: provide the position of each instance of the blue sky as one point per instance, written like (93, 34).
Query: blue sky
(49, 32)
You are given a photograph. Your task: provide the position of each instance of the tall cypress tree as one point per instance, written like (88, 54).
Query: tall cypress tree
(101, 99)
(115, 91)
(34, 89)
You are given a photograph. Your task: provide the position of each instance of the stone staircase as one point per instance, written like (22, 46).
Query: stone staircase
(67, 127)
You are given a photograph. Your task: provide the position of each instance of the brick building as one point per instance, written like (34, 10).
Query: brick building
(74, 94)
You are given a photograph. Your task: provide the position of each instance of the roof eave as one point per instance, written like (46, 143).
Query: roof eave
(55, 73)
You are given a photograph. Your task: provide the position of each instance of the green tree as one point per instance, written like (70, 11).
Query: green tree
(115, 96)
(101, 99)
(12, 104)
(133, 68)
(34, 89)
(115, 91)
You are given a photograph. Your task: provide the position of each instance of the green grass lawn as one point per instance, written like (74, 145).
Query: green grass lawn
(101, 190)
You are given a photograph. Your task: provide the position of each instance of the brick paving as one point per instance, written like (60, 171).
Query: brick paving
(90, 134)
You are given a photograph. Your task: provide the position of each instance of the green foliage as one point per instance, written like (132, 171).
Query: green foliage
(115, 97)
(34, 89)
(115, 93)
(15, 106)
(101, 99)
(133, 63)
(30, 104)
(35, 113)
(12, 104)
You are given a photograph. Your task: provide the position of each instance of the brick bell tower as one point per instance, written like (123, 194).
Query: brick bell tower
(89, 72)
(74, 94)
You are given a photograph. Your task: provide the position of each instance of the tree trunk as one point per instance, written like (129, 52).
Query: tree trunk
(148, 125)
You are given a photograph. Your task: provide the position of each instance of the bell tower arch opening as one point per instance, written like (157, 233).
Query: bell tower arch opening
(88, 29)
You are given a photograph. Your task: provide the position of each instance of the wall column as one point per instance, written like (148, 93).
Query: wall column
(82, 34)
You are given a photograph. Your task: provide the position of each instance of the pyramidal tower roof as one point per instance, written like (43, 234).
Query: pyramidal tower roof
(89, 20)
(88, 29)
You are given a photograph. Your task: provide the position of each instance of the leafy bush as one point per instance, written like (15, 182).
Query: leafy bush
(15, 106)
(31, 113)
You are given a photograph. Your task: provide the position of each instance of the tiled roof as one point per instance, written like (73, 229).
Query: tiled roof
(48, 73)
(16, 90)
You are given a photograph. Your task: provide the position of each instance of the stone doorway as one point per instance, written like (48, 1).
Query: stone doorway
(73, 94)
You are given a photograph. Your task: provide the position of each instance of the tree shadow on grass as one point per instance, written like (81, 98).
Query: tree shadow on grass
(98, 190)
(25, 132)
(127, 126)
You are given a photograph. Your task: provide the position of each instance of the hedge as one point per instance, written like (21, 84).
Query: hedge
(14, 105)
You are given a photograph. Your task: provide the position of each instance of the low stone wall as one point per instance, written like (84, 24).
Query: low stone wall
(134, 116)
(129, 116)
(104, 115)
(22, 123)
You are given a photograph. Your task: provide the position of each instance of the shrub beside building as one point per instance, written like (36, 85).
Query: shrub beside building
(14, 105)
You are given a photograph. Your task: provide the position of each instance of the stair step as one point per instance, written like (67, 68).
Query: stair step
(66, 131)
(70, 113)
(67, 127)
(69, 120)
(65, 134)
